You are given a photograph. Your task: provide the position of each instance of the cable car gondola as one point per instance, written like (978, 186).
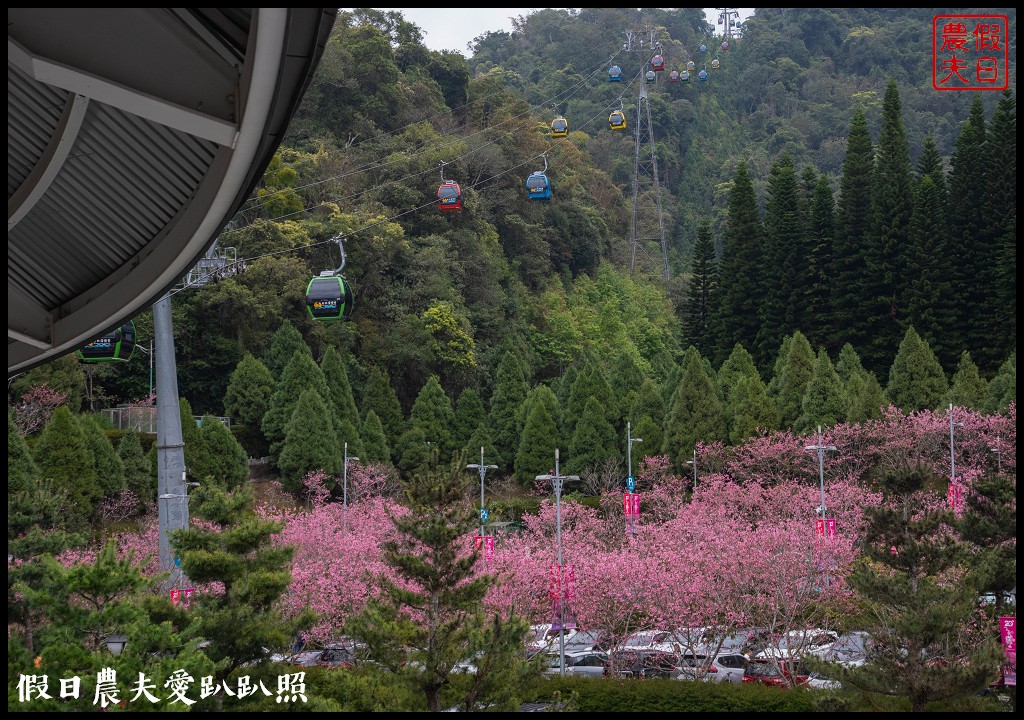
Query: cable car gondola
(684, 76)
(691, 65)
(614, 74)
(329, 296)
(657, 63)
(715, 64)
(725, 44)
(650, 76)
(559, 127)
(673, 76)
(703, 48)
(538, 187)
(703, 75)
(617, 120)
(114, 346)
(449, 196)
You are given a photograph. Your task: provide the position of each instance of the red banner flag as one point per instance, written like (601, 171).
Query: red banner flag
(554, 584)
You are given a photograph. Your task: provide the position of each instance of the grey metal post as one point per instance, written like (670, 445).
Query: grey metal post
(694, 463)
(344, 487)
(999, 456)
(952, 455)
(483, 472)
(169, 445)
(821, 477)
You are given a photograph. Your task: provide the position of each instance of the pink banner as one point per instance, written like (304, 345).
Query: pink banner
(1008, 633)
(570, 582)
(175, 596)
(636, 504)
(825, 528)
(489, 549)
(627, 503)
(554, 584)
(955, 497)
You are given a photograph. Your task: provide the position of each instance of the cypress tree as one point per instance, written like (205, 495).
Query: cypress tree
(824, 402)
(22, 473)
(739, 364)
(593, 441)
(469, 413)
(916, 381)
(968, 387)
(796, 374)
(509, 394)
(300, 374)
(649, 402)
(887, 252)
(848, 363)
(64, 458)
(336, 377)
(650, 431)
(779, 366)
(750, 409)
(741, 270)
(563, 385)
(590, 383)
(249, 392)
(852, 213)
(864, 398)
(379, 396)
(820, 236)
(625, 380)
(432, 413)
(228, 461)
(695, 413)
(198, 462)
(108, 466)
(540, 437)
(349, 433)
(282, 347)
(414, 452)
(1002, 390)
(137, 473)
(481, 438)
(310, 442)
(701, 292)
(375, 441)
(1001, 213)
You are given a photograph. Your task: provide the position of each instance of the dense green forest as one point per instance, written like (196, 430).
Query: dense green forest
(840, 235)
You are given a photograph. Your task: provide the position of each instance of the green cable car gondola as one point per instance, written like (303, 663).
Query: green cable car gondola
(114, 346)
(329, 297)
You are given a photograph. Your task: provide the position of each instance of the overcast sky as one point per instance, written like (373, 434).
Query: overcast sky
(454, 29)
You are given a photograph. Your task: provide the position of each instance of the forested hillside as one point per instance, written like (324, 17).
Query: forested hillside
(840, 237)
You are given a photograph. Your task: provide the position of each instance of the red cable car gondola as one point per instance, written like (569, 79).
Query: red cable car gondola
(657, 63)
(449, 196)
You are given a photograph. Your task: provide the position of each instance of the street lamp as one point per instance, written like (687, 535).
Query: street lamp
(999, 456)
(556, 480)
(483, 471)
(694, 463)
(821, 476)
(629, 449)
(344, 486)
(952, 456)
(115, 643)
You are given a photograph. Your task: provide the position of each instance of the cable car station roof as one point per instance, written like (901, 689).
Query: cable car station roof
(133, 135)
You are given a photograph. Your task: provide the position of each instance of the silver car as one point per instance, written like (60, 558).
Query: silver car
(724, 667)
(585, 662)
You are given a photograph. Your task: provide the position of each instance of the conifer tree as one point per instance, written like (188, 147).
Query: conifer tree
(198, 462)
(540, 437)
(780, 364)
(848, 363)
(653, 436)
(429, 614)
(824, 402)
(563, 385)
(701, 292)
(283, 345)
(593, 440)
(739, 364)
(968, 388)
(375, 442)
(864, 398)
(300, 374)
(510, 392)
(228, 461)
(988, 526)
(852, 214)
(414, 451)
(379, 396)
(750, 410)
(820, 236)
(796, 374)
(137, 474)
(695, 413)
(916, 381)
(740, 271)
(650, 403)
(469, 413)
(1000, 320)
(249, 392)
(349, 433)
(336, 377)
(108, 466)
(625, 380)
(590, 383)
(432, 413)
(64, 458)
(481, 438)
(1002, 389)
(310, 442)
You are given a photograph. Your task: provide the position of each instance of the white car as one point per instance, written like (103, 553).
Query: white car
(823, 683)
(724, 667)
(799, 643)
(542, 638)
(587, 663)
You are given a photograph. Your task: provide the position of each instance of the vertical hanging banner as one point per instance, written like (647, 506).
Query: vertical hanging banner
(825, 528)
(636, 504)
(554, 583)
(187, 594)
(1008, 634)
(627, 503)
(570, 582)
(478, 541)
(175, 596)
(489, 549)
(955, 497)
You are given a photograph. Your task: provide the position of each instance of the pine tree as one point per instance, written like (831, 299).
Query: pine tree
(739, 364)
(249, 392)
(590, 383)
(740, 271)
(593, 441)
(852, 213)
(701, 292)
(651, 433)
(137, 474)
(282, 347)
(375, 442)
(336, 377)
(649, 402)
(695, 413)
(1001, 212)
(108, 466)
(469, 413)
(848, 363)
(510, 392)
(888, 245)
(916, 381)
(64, 375)
(432, 615)
(65, 459)
(228, 463)
(625, 380)
(750, 410)
(824, 402)
(300, 374)
(540, 437)
(310, 442)
(432, 413)
(379, 396)
(820, 237)
(989, 528)
(198, 462)
(796, 374)
(864, 398)
(968, 388)
(414, 451)
(1002, 389)
(481, 438)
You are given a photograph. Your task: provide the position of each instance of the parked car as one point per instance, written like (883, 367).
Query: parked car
(820, 682)
(641, 664)
(343, 654)
(542, 638)
(776, 673)
(587, 662)
(850, 650)
(305, 658)
(588, 640)
(724, 667)
(748, 641)
(798, 643)
(648, 640)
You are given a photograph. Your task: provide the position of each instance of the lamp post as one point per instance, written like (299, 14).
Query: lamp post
(999, 456)
(629, 449)
(952, 455)
(556, 480)
(115, 643)
(694, 463)
(483, 472)
(821, 477)
(344, 487)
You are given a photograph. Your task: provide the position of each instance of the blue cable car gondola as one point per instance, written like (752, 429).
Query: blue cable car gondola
(538, 187)
(673, 76)
(703, 75)
(650, 76)
(617, 120)
(703, 48)
(559, 127)
(329, 297)
(614, 74)
(657, 63)
(114, 346)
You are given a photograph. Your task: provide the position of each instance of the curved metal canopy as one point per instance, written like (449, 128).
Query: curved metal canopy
(133, 135)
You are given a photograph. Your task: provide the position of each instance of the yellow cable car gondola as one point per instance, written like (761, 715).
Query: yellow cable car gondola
(559, 127)
(617, 120)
